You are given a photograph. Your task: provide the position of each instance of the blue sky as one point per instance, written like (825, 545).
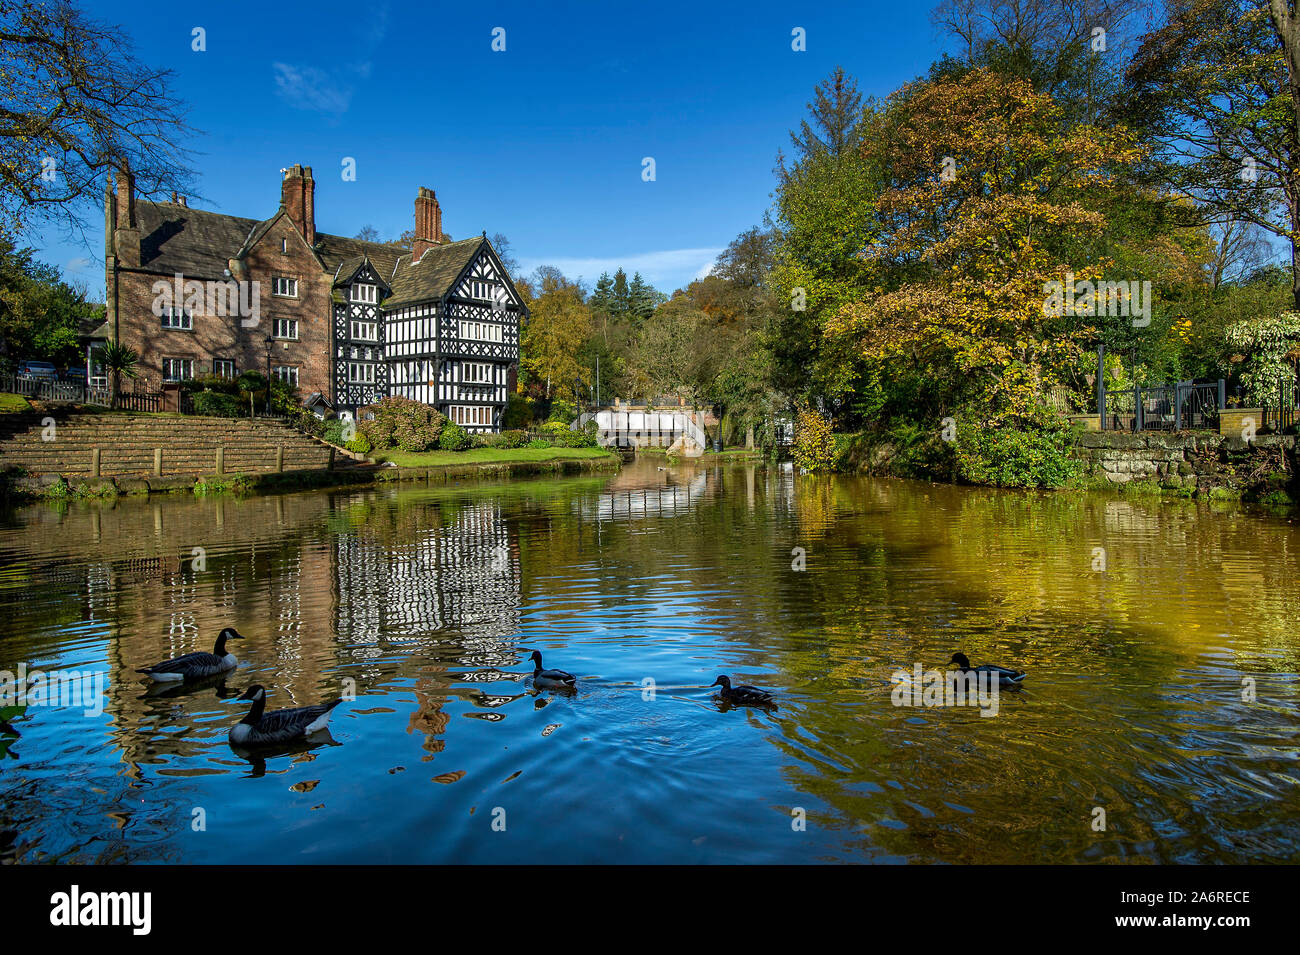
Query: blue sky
(543, 142)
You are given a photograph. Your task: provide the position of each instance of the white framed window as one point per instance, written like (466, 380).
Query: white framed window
(284, 286)
(365, 331)
(479, 415)
(484, 291)
(361, 372)
(177, 369)
(223, 367)
(480, 331)
(181, 318)
(368, 294)
(477, 373)
(286, 373)
(285, 328)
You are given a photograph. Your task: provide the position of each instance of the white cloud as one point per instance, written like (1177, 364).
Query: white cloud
(330, 91)
(306, 87)
(665, 270)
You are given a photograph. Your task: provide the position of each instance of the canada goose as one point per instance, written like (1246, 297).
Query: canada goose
(743, 695)
(279, 726)
(1007, 679)
(195, 666)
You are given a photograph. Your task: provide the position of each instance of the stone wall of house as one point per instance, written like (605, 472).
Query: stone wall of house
(1204, 464)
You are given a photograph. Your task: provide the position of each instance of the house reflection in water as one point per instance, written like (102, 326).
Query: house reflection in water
(460, 580)
(630, 496)
(452, 591)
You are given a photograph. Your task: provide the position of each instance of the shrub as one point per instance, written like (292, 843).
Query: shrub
(401, 423)
(814, 444)
(1031, 453)
(453, 438)
(225, 386)
(360, 444)
(339, 432)
(220, 405)
(538, 444)
(502, 439)
(562, 411)
(518, 413)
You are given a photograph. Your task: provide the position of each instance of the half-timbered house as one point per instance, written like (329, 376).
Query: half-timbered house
(345, 320)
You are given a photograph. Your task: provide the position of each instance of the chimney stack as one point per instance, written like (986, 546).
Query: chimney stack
(428, 223)
(298, 196)
(126, 237)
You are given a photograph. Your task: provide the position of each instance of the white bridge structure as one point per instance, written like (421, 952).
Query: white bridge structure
(647, 429)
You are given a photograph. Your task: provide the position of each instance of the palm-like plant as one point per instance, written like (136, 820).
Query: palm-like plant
(120, 361)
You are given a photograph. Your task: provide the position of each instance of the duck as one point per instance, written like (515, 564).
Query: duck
(742, 695)
(196, 666)
(550, 678)
(1008, 679)
(260, 728)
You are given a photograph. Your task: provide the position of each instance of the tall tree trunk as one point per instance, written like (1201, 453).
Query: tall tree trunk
(1287, 25)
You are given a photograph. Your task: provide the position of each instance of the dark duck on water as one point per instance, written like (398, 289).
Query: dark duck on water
(1007, 679)
(550, 678)
(741, 695)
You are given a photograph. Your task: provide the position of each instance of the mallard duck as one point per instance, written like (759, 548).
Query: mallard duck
(195, 666)
(743, 695)
(259, 728)
(1007, 679)
(550, 678)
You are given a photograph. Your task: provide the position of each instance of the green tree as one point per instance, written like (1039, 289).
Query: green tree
(40, 314)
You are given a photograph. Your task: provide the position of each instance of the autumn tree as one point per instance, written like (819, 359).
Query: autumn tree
(989, 199)
(559, 325)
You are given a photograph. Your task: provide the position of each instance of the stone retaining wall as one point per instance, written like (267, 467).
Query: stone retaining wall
(1200, 463)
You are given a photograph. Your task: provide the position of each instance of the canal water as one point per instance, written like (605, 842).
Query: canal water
(1159, 722)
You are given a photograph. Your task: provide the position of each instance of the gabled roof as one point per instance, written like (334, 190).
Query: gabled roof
(349, 267)
(335, 250)
(435, 273)
(195, 242)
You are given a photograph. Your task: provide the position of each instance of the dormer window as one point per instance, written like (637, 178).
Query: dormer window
(366, 294)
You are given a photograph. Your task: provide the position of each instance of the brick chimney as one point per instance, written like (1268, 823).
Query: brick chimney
(428, 223)
(298, 196)
(126, 236)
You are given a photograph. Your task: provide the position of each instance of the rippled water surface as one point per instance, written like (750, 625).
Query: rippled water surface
(1162, 689)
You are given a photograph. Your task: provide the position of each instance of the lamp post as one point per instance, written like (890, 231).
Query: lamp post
(270, 343)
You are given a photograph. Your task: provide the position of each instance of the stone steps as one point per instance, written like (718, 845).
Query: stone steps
(127, 444)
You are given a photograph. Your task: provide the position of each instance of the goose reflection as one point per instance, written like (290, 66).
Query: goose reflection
(257, 757)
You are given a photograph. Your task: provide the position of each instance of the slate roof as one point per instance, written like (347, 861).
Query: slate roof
(433, 275)
(198, 243)
(176, 238)
(335, 250)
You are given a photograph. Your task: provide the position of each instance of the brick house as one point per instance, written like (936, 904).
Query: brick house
(345, 321)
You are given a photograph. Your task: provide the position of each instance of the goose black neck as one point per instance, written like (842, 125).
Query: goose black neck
(255, 714)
